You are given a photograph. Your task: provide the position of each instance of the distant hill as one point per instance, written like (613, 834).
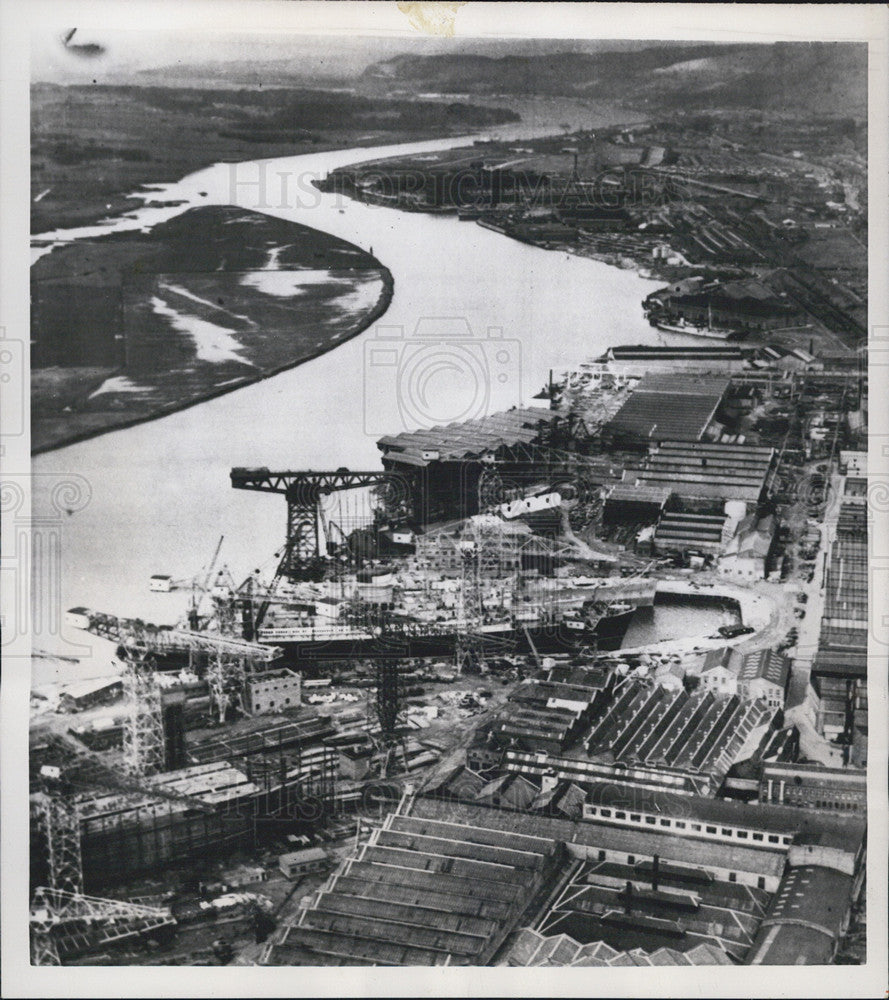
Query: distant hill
(816, 77)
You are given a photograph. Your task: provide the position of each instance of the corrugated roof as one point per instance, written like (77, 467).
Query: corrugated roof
(469, 438)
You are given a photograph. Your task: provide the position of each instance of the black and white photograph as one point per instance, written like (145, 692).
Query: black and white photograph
(444, 521)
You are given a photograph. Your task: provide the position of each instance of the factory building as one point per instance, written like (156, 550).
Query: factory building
(682, 532)
(668, 872)
(667, 407)
(747, 305)
(550, 715)
(273, 691)
(647, 735)
(422, 891)
(760, 675)
(626, 503)
(705, 475)
(764, 674)
(839, 672)
(127, 834)
(80, 695)
(748, 553)
(446, 462)
(811, 786)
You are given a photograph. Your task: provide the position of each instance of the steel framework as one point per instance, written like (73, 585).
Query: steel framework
(143, 730)
(59, 820)
(304, 492)
(65, 924)
(226, 675)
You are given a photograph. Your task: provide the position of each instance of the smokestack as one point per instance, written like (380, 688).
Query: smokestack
(655, 867)
(628, 899)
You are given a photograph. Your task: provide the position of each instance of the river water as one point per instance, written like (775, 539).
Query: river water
(495, 316)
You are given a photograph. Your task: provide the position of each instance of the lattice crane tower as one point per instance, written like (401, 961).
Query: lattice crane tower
(143, 730)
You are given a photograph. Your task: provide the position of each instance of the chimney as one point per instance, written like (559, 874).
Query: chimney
(628, 899)
(655, 867)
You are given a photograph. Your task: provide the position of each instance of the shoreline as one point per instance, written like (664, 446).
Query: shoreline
(381, 307)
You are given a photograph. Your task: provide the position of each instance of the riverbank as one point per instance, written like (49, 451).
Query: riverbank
(130, 327)
(94, 147)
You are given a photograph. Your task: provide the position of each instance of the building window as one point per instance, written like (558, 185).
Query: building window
(680, 825)
(726, 832)
(742, 834)
(733, 876)
(773, 839)
(696, 827)
(711, 829)
(606, 812)
(601, 855)
(785, 840)
(635, 817)
(650, 820)
(631, 859)
(666, 822)
(593, 811)
(760, 883)
(757, 836)
(619, 815)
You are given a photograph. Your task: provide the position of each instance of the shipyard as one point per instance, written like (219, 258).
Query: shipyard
(556, 622)
(473, 568)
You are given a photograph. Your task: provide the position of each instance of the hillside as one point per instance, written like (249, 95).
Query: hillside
(818, 78)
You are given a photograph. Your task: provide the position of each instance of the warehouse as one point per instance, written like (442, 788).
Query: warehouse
(667, 407)
(710, 474)
(703, 533)
(746, 305)
(629, 504)
(86, 694)
(422, 891)
(445, 462)
(811, 786)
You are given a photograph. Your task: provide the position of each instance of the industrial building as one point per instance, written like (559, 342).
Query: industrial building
(812, 786)
(126, 834)
(421, 891)
(629, 503)
(273, 691)
(646, 878)
(839, 672)
(705, 474)
(88, 693)
(748, 554)
(747, 305)
(667, 407)
(297, 863)
(647, 734)
(446, 462)
(706, 534)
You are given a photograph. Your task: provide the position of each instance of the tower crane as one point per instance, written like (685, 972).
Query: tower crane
(60, 910)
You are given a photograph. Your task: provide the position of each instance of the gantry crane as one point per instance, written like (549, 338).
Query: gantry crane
(305, 492)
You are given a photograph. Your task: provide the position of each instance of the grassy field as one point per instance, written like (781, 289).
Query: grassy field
(130, 326)
(92, 146)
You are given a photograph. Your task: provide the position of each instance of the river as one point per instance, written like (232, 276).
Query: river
(159, 493)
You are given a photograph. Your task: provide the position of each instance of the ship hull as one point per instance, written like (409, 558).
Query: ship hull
(607, 635)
